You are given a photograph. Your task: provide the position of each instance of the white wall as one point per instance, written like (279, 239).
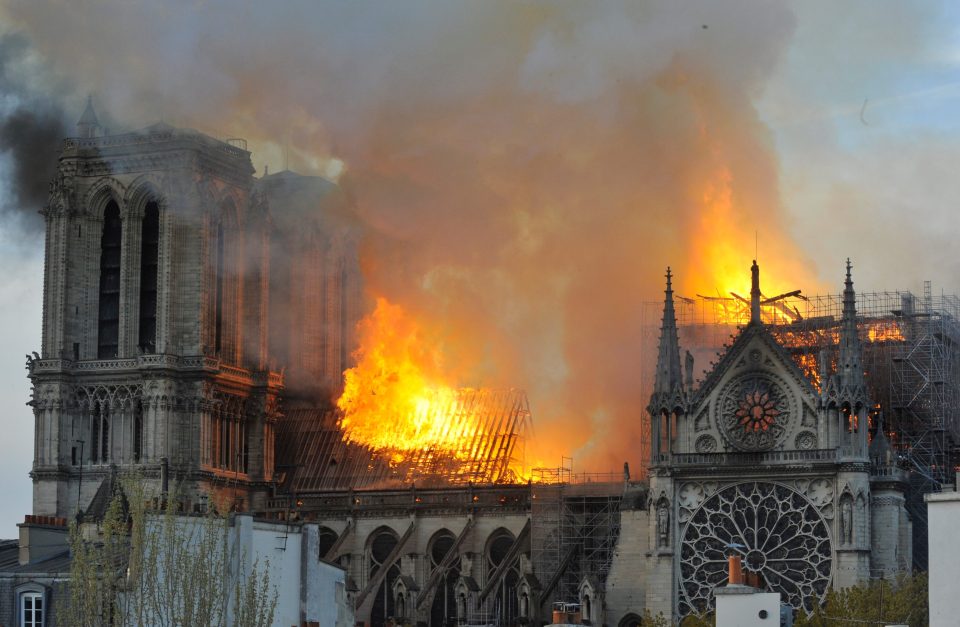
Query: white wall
(943, 517)
(277, 549)
(741, 606)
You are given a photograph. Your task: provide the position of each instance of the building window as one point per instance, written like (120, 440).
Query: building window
(138, 433)
(149, 255)
(229, 439)
(108, 316)
(31, 609)
(218, 312)
(100, 435)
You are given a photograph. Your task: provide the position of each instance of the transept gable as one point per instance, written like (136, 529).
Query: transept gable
(739, 357)
(756, 398)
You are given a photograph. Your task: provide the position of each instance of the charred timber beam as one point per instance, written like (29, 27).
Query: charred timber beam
(507, 562)
(444, 564)
(388, 563)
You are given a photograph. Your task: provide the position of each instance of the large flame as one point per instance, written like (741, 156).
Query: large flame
(399, 401)
(390, 396)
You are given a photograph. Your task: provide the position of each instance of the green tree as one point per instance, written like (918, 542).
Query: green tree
(902, 601)
(150, 566)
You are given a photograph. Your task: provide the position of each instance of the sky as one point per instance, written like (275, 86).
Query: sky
(526, 169)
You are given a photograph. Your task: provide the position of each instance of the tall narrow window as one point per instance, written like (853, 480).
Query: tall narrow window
(149, 252)
(138, 433)
(104, 436)
(108, 318)
(218, 314)
(95, 435)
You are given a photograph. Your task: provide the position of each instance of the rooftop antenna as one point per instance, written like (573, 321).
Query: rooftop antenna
(286, 153)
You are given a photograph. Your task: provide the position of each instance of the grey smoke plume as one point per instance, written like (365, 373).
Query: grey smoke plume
(31, 130)
(526, 169)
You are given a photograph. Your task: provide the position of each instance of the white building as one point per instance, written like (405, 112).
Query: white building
(943, 514)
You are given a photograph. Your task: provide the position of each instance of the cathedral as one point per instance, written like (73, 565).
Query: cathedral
(192, 311)
(758, 461)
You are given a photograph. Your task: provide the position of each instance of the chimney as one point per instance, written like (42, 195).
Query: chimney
(41, 537)
(736, 571)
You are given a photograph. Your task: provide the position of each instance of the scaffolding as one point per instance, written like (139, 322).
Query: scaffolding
(575, 527)
(911, 347)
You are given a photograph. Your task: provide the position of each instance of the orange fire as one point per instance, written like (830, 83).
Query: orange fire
(397, 401)
(886, 331)
(390, 398)
(723, 247)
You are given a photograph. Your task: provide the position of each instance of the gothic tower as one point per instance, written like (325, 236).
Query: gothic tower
(154, 350)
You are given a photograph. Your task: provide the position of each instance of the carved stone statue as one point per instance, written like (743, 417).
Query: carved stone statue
(663, 524)
(846, 521)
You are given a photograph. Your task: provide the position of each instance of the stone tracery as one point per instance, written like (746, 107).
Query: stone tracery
(783, 536)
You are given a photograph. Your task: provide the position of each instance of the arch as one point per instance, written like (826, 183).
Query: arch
(108, 304)
(149, 276)
(228, 210)
(326, 538)
(145, 189)
(630, 620)
(101, 193)
(443, 604)
(438, 545)
(227, 262)
(380, 543)
(498, 545)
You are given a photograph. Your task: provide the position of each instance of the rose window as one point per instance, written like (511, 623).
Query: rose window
(755, 412)
(779, 533)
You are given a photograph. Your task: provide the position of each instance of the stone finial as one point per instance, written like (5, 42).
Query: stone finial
(754, 292)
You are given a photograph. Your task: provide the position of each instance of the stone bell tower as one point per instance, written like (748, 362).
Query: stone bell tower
(154, 353)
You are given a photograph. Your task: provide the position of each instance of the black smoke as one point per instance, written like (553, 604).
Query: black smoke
(32, 127)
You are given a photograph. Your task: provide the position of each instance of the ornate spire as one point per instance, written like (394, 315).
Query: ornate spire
(852, 386)
(88, 124)
(754, 292)
(668, 386)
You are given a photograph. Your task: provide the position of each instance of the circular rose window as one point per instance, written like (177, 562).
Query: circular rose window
(754, 412)
(778, 533)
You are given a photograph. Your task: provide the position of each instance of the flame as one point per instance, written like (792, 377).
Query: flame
(398, 401)
(885, 331)
(391, 397)
(723, 246)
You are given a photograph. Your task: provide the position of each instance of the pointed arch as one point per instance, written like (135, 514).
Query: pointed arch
(108, 303)
(101, 193)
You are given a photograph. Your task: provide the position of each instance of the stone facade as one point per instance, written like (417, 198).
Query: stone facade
(760, 461)
(177, 288)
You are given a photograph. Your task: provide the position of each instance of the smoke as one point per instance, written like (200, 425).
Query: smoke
(526, 169)
(31, 130)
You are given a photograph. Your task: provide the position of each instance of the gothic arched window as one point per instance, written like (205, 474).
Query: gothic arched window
(149, 255)
(108, 316)
(218, 305)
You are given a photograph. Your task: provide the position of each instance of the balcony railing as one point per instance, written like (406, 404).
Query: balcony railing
(823, 455)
